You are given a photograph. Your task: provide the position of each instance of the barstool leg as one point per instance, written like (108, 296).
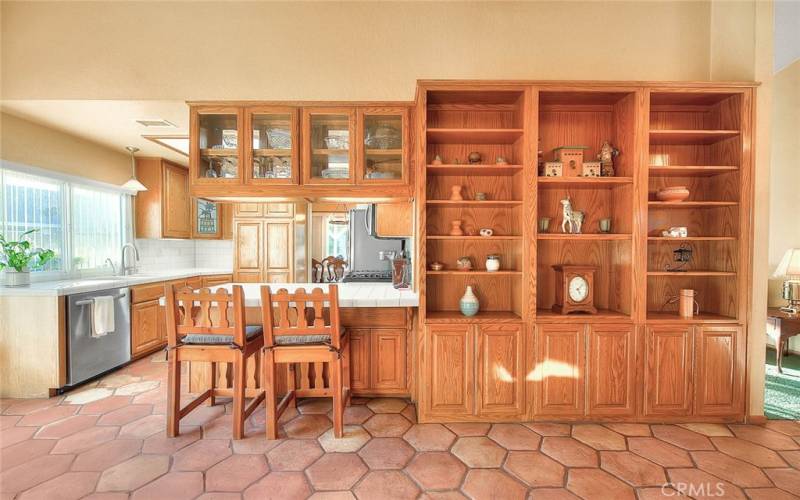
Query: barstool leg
(213, 384)
(268, 373)
(173, 394)
(338, 406)
(239, 382)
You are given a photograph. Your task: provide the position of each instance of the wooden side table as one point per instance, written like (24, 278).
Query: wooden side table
(782, 326)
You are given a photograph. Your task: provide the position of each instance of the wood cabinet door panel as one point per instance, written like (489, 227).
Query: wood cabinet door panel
(279, 244)
(560, 369)
(394, 220)
(146, 334)
(501, 376)
(279, 210)
(668, 370)
(719, 365)
(611, 368)
(388, 359)
(450, 370)
(248, 209)
(177, 208)
(359, 358)
(248, 249)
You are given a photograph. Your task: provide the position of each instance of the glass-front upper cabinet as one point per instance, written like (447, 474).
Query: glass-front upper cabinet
(328, 137)
(216, 148)
(382, 145)
(272, 146)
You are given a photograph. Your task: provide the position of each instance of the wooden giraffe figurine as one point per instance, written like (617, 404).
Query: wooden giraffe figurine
(572, 217)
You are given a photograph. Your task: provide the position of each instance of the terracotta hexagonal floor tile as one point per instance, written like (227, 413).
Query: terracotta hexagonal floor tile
(786, 479)
(332, 495)
(33, 472)
(410, 412)
(569, 452)
(47, 415)
(708, 429)
(20, 453)
(236, 473)
(479, 452)
(443, 495)
(632, 468)
(549, 428)
(16, 435)
(203, 415)
(769, 494)
(764, 437)
(389, 485)
(220, 428)
(294, 455)
(387, 425)
(353, 438)
(336, 471)
(175, 486)
(26, 406)
(700, 484)
(161, 443)
(387, 405)
(535, 469)
(598, 437)
(429, 437)
(310, 406)
(683, 438)
(595, 483)
(659, 452)
(659, 493)
(134, 473)
(118, 380)
(8, 421)
(125, 415)
(515, 437)
(386, 453)
(468, 429)
(105, 405)
(791, 456)
(492, 483)
(107, 455)
(88, 396)
(730, 469)
(634, 430)
(436, 470)
(66, 427)
(201, 455)
(354, 415)
(64, 487)
(85, 439)
(552, 494)
(136, 388)
(144, 427)
(788, 427)
(307, 426)
(254, 444)
(749, 452)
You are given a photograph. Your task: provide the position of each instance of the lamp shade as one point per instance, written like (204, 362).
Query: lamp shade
(790, 264)
(133, 184)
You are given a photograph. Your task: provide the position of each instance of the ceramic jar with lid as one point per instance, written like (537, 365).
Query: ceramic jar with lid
(492, 263)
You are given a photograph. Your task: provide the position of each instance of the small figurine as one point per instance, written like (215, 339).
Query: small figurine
(474, 158)
(455, 193)
(572, 217)
(455, 228)
(486, 232)
(501, 160)
(464, 264)
(606, 156)
(592, 169)
(553, 169)
(437, 160)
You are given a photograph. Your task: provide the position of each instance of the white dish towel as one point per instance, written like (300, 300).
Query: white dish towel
(102, 316)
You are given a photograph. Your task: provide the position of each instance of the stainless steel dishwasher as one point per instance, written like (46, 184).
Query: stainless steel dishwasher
(87, 356)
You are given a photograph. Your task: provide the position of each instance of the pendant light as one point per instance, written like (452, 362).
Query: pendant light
(340, 217)
(133, 183)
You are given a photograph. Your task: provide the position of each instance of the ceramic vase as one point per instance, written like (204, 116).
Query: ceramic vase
(455, 193)
(469, 304)
(492, 263)
(455, 228)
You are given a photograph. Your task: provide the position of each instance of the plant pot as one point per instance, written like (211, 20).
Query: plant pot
(17, 278)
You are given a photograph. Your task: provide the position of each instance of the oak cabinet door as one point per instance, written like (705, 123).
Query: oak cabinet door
(248, 209)
(177, 209)
(382, 145)
(450, 370)
(328, 138)
(719, 369)
(388, 360)
(146, 333)
(501, 373)
(394, 220)
(612, 372)
(216, 144)
(279, 250)
(560, 368)
(279, 210)
(668, 370)
(359, 359)
(247, 251)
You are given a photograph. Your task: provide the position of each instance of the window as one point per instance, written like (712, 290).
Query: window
(83, 224)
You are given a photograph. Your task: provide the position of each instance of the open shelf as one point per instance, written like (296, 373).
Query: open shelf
(479, 170)
(383, 152)
(219, 152)
(703, 317)
(691, 238)
(331, 152)
(546, 182)
(473, 237)
(474, 135)
(272, 152)
(547, 315)
(681, 137)
(690, 170)
(691, 204)
(680, 274)
(481, 317)
(583, 236)
(476, 272)
(476, 203)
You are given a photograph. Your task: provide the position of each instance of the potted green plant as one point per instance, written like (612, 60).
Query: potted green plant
(17, 258)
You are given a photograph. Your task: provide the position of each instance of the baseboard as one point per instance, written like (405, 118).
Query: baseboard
(756, 419)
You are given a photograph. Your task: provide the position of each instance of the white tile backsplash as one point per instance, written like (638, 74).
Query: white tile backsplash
(157, 255)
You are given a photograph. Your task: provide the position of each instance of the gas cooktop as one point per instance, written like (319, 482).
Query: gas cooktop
(367, 276)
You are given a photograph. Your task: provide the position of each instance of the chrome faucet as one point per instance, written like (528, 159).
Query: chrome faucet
(124, 269)
(113, 267)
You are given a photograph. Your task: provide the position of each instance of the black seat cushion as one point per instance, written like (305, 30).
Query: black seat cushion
(209, 339)
(302, 339)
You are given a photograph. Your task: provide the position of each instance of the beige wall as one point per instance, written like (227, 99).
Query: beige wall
(29, 143)
(336, 50)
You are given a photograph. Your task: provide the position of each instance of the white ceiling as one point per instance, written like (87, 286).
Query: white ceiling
(109, 123)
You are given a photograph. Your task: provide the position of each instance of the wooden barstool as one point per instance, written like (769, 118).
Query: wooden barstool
(210, 327)
(297, 331)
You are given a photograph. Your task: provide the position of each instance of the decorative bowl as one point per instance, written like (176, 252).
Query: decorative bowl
(437, 266)
(672, 194)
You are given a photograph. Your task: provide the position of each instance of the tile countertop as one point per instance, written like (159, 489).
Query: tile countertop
(350, 294)
(80, 285)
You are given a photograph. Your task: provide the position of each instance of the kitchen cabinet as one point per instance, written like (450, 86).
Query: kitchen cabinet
(560, 368)
(147, 329)
(378, 361)
(217, 279)
(382, 140)
(215, 145)
(164, 210)
(241, 210)
(394, 220)
(719, 369)
(612, 370)
(271, 145)
(500, 370)
(667, 385)
(359, 359)
(449, 383)
(328, 140)
(264, 242)
(248, 250)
